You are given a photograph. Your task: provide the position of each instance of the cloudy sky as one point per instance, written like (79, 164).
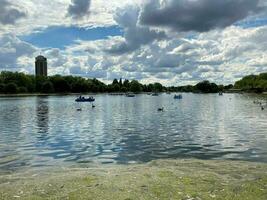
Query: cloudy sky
(174, 42)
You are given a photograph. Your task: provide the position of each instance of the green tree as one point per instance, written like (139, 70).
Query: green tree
(150, 87)
(126, 83)
(207, 87)
(47, 87)
(2, 88)
(60, 84)
(22, 90)
(253, 83)
(120, 82)
(80, 86)
(158, 87)
(11, 88)
(228, 87)
(115, 81)
(39, 81)
(135, 86)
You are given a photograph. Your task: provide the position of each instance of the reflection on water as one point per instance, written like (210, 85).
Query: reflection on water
(48, 131)
(42, 113)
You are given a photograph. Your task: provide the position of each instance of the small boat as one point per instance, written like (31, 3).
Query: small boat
(155, 94)
(179, 96)
(130, 95)
(83, 99)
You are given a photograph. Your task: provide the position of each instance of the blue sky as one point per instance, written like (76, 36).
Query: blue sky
(252, 23)
(60, 37)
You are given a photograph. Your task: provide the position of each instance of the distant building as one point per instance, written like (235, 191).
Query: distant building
(40, 66)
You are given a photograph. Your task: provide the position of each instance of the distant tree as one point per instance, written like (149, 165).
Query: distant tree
(214, 88)
(39, 81)
(60, 84)
(126, 83)
(116, 87)
(253, 83)
(135, 86)
(207, 87)
(22, 90)
(120, 82)
(20, 79)
(11, 88)
(228, 87)
(150, 87)
(2, 88)
(80, 86)
(158, 87)
(124, 89)
(263, 76)
(115, 81)
(145, 89)
(47, 87)
(203, 86)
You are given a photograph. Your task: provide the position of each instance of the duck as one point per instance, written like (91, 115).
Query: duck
(161, 109)
(93, 106)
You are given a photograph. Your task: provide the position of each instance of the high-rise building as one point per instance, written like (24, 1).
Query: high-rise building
(40, 66)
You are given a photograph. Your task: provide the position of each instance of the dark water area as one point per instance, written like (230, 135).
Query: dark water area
(49, 131)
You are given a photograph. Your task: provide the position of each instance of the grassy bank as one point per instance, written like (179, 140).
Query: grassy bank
(165, 179)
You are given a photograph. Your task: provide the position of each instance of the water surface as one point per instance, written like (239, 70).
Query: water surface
(49, 131)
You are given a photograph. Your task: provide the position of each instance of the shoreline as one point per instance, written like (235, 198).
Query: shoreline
(159, 179)
(112, 94)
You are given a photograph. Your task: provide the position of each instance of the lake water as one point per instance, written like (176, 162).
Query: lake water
(49, 131)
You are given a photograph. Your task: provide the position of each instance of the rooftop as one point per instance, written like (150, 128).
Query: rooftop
(40, 57)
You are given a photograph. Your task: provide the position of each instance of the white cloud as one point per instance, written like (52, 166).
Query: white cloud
(149, 54)
(10, 13)
(79, 8)
(42, 14)
(12, 48)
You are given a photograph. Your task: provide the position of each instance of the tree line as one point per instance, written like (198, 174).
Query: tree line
(16, 82)
(253, 83)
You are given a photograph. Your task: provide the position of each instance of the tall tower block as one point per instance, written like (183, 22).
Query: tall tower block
(40, 66)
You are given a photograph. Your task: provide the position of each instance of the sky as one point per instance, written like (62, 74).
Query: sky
(174, 42)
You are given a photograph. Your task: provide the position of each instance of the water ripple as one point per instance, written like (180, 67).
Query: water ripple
(48, 131)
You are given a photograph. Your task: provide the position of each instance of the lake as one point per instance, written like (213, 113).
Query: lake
(50, 132)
